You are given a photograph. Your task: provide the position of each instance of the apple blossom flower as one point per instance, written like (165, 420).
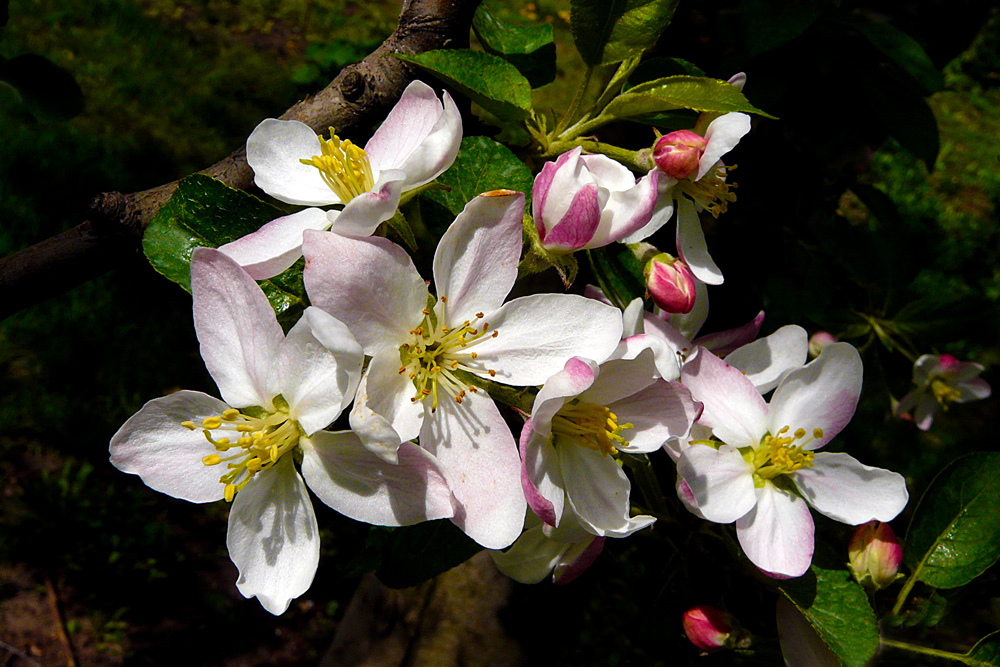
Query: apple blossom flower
(941, 381)
(704, 188)
(582, 417)
(431, 354)
(418, 140)
(588, 201)
(874, 554)
(670, 284)
(761, 469)
(279, 392)
(565, 552)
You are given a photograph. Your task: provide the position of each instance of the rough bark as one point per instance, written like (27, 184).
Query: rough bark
(358, 96)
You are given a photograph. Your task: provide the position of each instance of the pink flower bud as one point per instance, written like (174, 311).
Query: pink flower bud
(670, 283)
(820, 340)
(708, 628)
(948, 362)
(678, 154)
(875, 554)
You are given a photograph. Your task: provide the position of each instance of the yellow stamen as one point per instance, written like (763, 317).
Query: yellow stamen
(589, 425)
(343, 166)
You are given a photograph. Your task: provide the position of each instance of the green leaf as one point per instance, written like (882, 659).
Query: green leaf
(482, 165)
(837, 607)
(529, 48)
(204, 212)
(903, 50)
(407, 556)
(986, 652)
(609, 31)
(680, 92)
(489, 80)
(955, 531)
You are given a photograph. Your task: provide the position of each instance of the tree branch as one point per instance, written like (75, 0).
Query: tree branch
(359, 95)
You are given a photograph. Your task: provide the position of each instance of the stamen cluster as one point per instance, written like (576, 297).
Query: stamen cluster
(778, 456)
(712, 192)
(589, 425)
(343, 166)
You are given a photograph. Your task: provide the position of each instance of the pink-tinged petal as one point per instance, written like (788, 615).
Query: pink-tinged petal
(609, 173)
(842, 488)
(690, 323)
(277, 245)
(734, 409)
(723, 342)
(631, 368)
(576, 376)
(686, 495)
(543, 185)
(541, 477)
(317, 370)
(663, 209)
(166, 456)
(348, 477)
(539, 333)
(923, 412)
(577, 559)
(822, 394)
(420, 136)
(677, 342)
(722, 134)
(626, 211)
(576, 227)
(800, 645)
(560, 181)
(692, 246)
(720, 481)
(363, 214)
(374, 430)
(273, 152)
(925, 366)
(972, 390)
(273, 537)
(777, 536)
(388, 393)
(531, 558)
(368, 284)
(237, 330)
(662, 411)
(475, 263)
(959, 372)
(471, 440)
(596, 488)
(766, 360)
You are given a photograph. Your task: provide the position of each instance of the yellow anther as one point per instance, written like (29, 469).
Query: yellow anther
(343, 166)
(784, 429)
(189, 425)
(817, 433)
(230, 415)
(212, 459)
(212, 423)
(800, 433)
(230, 492)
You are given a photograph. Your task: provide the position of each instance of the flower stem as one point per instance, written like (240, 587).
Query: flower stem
(904, 593)
(937, 653)
(649, 485)
(575, 104)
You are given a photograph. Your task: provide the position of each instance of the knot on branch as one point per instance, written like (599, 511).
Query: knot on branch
(353, 86)
(115, 213)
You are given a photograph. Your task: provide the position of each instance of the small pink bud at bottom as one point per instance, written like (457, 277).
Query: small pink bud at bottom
(678, 154)
(875, 554)
(671, 284)
(708, 628)
(820, 340)
(947, 361)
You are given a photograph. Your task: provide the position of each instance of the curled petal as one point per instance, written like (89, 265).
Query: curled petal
(692, 246)
(363, 214)
(723, 134)
(277, 245)
(541, 475)
(765, 361)
(273, 152)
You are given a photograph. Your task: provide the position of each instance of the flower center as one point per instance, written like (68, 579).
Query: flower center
(438, 354)
(778, 455)
(343, 166)
(711, 191)
(944, 392)
(259, 443)
(589, 425)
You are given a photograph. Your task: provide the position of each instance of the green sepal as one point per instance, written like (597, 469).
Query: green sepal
(539, 258)
(401, 227)
(204, 212)
(618, 273)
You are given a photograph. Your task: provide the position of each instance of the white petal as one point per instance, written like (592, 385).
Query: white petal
(539, 333)
(531, 558)
(842, 488)
(800, 645)
(273, 152)
(480, 457)
(734, 409)
(374, 430)
(420, 136)
(658, 413)
(368, 284)
(575, 377)
(475, 263)
(318, 369)
(689, 324)
(348, 477)
(692, 246)
(721, 481)
(277, 245)
(273, 537)
(723, 134)
(167, 456)
(237, 330)
(822, 394)
(777, 536)
(631, 369)
(363, 214)
(541, 474)
(766, 360)
(626, 212)
(597, 489)
(609, 173)
(389, 394)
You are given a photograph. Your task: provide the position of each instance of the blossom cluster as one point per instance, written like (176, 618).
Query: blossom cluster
(420, 366)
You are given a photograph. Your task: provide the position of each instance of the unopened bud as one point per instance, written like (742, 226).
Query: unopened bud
(820, 340)
(678, 154)
(710, 629)
(670, 282)
(875, 554)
